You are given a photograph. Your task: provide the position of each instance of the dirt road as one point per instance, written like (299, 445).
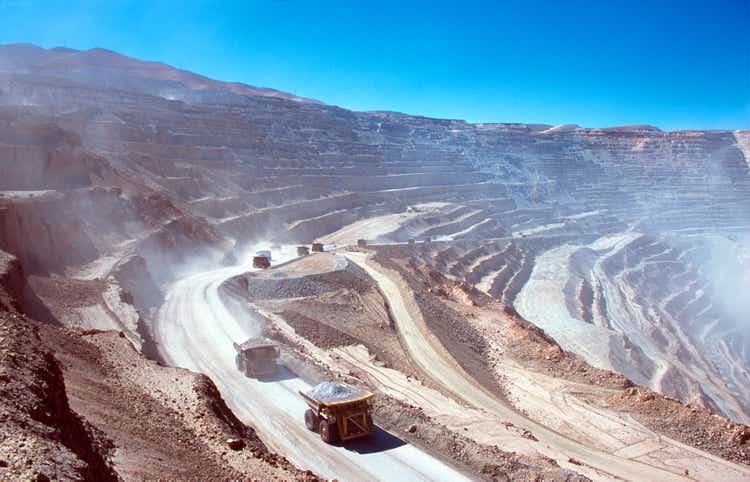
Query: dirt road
(195, 330)
(432, 358)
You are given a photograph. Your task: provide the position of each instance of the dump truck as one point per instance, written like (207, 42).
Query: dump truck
(317, 247)
(261, 262)
(257, 357)
(338, 412)
(264, 252)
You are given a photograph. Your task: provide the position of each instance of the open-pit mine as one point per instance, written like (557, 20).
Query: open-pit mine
(185, 261)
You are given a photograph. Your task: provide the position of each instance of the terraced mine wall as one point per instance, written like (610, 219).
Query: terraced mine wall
(129, 170)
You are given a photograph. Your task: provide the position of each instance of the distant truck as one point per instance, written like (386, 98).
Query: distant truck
(257, 357)
(261, 262)
(303, 251)
(338, 412)
(266, 253)
(317, 247)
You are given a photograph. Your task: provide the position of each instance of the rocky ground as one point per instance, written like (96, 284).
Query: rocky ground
(41, 436)
(690, 424)
(189, 427)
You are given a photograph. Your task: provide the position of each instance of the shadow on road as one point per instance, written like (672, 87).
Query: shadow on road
(380, 441)
(279, 376)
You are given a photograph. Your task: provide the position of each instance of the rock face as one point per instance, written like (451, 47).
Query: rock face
(41, 438)
(631, 234)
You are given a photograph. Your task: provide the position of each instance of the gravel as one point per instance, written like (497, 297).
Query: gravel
(333, 392)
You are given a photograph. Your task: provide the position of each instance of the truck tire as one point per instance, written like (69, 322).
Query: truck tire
(311, 420)
(329, 433)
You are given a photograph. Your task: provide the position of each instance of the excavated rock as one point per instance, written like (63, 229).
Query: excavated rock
(332, 392)
(41, 438)
(690, 424)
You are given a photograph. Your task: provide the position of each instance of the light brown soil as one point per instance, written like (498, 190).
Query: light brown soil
(461, 339)
(488, 462)
(41, 437)
(690, 424)
(314, 263)
(535, 350)
(349, 309)
(319, 333)
(164, 422)
(63, 296)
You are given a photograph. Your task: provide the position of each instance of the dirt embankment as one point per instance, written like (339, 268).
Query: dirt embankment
(460, 338)
(277, 285)
(690, 424)
(163, 422)
(346, 309)
(488, 462)
(319, 333)
(41, 437)
(534, 349)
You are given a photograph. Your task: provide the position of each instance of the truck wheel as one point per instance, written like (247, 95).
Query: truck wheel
(311, 420)
(329, 432)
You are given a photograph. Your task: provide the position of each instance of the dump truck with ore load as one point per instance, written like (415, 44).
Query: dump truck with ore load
(257, 357)
(338, 412)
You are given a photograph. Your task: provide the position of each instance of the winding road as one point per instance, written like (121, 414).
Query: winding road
(195, 330)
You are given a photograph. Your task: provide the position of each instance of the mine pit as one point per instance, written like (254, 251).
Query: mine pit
(181, 262)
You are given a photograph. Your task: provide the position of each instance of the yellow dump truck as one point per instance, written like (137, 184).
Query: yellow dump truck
(338, 412)
(257, 357)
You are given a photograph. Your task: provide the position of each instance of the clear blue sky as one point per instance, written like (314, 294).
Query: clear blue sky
(674, 64)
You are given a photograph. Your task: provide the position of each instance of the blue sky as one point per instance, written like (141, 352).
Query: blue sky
(677, 65)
